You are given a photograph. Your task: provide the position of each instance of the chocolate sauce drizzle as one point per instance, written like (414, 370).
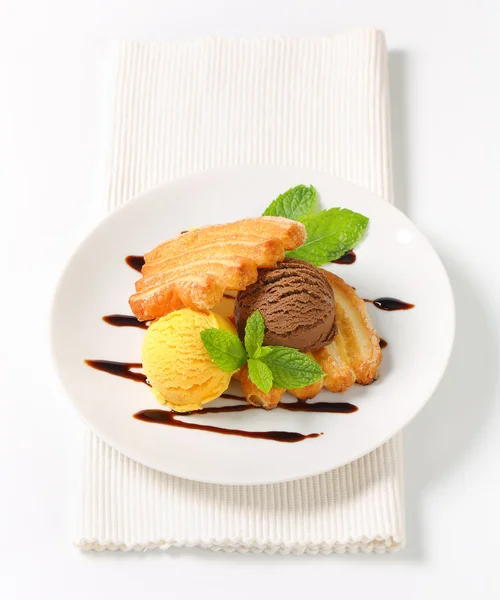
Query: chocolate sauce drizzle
(346, 259)
(125, 321)
(383, 343)
(390, 304)
(135, 262)
(166, 417)
(322, 407)
(120, 369)
(297, 406)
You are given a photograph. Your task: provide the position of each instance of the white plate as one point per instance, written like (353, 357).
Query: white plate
(393, 260)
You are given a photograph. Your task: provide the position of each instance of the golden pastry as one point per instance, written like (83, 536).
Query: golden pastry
(196, 268)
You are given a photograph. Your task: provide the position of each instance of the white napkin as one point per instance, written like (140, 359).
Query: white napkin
(184, 107)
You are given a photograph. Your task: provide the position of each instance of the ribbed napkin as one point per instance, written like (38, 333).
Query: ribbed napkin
(184, 107)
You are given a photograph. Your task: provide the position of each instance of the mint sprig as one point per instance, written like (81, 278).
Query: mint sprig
(330, 234)
(254, 334)
(268, 366)
(224, 348)
(260, 374)
(291, 368)
(263, 351)
(293, 204)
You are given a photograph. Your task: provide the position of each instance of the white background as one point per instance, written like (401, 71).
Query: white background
(54, 115)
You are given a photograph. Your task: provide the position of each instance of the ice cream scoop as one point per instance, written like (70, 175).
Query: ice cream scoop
(297, 303)
(177, 366)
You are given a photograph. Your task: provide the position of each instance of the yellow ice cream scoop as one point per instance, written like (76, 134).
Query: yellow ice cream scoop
(175, 361)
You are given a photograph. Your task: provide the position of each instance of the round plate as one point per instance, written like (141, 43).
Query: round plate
(394, 260)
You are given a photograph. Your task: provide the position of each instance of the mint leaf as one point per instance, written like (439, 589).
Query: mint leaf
(293, 204)
(291, 368)
(224, 348)
(263, 351)
(330, 234)
(254, 333)
(260, 374)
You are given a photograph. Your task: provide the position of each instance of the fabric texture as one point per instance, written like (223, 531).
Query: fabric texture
(185, 107)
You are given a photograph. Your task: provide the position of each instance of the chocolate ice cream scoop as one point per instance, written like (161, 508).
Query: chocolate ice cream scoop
(297, 303)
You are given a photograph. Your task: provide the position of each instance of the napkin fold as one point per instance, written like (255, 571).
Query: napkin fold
(185, 107)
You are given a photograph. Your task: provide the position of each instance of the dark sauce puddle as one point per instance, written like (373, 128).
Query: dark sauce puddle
(136, 262)
(390, 304)
(347, 259)
(125, 321)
